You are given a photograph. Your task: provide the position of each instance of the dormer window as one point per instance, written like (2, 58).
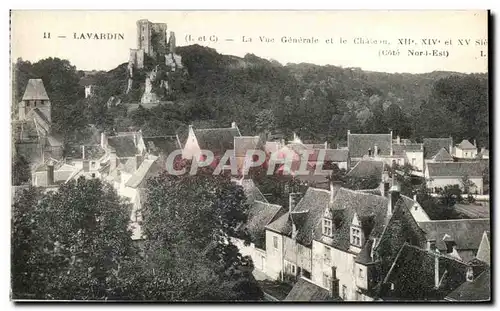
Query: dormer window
(327, 227)
(356, 236)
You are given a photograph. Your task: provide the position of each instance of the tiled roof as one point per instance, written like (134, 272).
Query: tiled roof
(455, 169)
(128, 165)
(433, 145)
(305, 290)
(35, 90)
(466, 145)
(124, 145)
(217, 140)
(368, 167)
(40, 118)
(365, 256)
(146, 169)
(94, 152)
(474, 210)
(260, 214)
(161, 144)
(244, 143)
(484, 252)
(413, 275)
(252, 191)
(54, 141)
(477, 290)
(359, 144)
(281, 225)
(442, 156)
(467, 233)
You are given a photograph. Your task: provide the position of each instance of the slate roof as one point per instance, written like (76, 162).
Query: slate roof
(477, 290)
(217, 140)
(359, 144)
(146, 169)
(40, 118)
(54, 141)
(244, 143)
(443, 156)
(94, 152)
(333, 155)
(467, 233)
(433, 145)
(35, 90)
(413, 275)
(368, 167)
(161, 144)
(455, 169)
(305, 290)
(474, 210)
(370, 209)
(466, 145)
(124, 145)
(260, 214)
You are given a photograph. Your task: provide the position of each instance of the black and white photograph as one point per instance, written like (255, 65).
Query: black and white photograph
(250, 156)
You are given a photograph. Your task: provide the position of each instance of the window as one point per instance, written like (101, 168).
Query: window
(355, 236)
(361, 273)
(413, 161)
(327, 227)
(93, 175)
(327, 254)
(326, 280)
(344, 292)
(466, 154)
(292, 268)
(275, 242)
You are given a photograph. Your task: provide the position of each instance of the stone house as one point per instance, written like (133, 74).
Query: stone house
(217, 140)
(466, 150)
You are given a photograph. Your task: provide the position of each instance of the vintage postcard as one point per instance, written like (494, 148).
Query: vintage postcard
(254, 156)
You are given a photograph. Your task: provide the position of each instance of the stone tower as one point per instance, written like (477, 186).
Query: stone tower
(35, 101)
(151, 38)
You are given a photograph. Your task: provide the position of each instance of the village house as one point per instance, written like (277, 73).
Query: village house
(217, 140)
(484, 153)
(442, 174)
(244, 145)
(378, 146)
(442, 156)
(465, 150)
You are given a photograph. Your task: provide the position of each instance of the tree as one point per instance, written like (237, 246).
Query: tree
(467, 184)
(71, 244)
(21, 173)
(265, 121)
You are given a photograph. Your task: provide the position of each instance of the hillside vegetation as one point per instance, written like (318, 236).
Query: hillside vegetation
(318, 102)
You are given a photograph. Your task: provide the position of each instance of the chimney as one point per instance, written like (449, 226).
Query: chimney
(475, 145)
(384, 185)
(50, 174)
(326, 145)
(233, 125)
(398, 140)
(372, 251)
(104, 140)
(375, 151)
(293, 199)
(394, 195)
(335, 283)
(469, 274)
(83, 152)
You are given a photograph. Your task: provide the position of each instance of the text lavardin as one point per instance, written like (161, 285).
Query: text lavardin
(98, 36)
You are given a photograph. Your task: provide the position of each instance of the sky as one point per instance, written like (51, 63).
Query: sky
(28, 28)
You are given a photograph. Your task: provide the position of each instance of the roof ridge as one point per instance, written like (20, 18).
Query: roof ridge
(267, 203)
(215, 128)
(170, 136)
(388, 134)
